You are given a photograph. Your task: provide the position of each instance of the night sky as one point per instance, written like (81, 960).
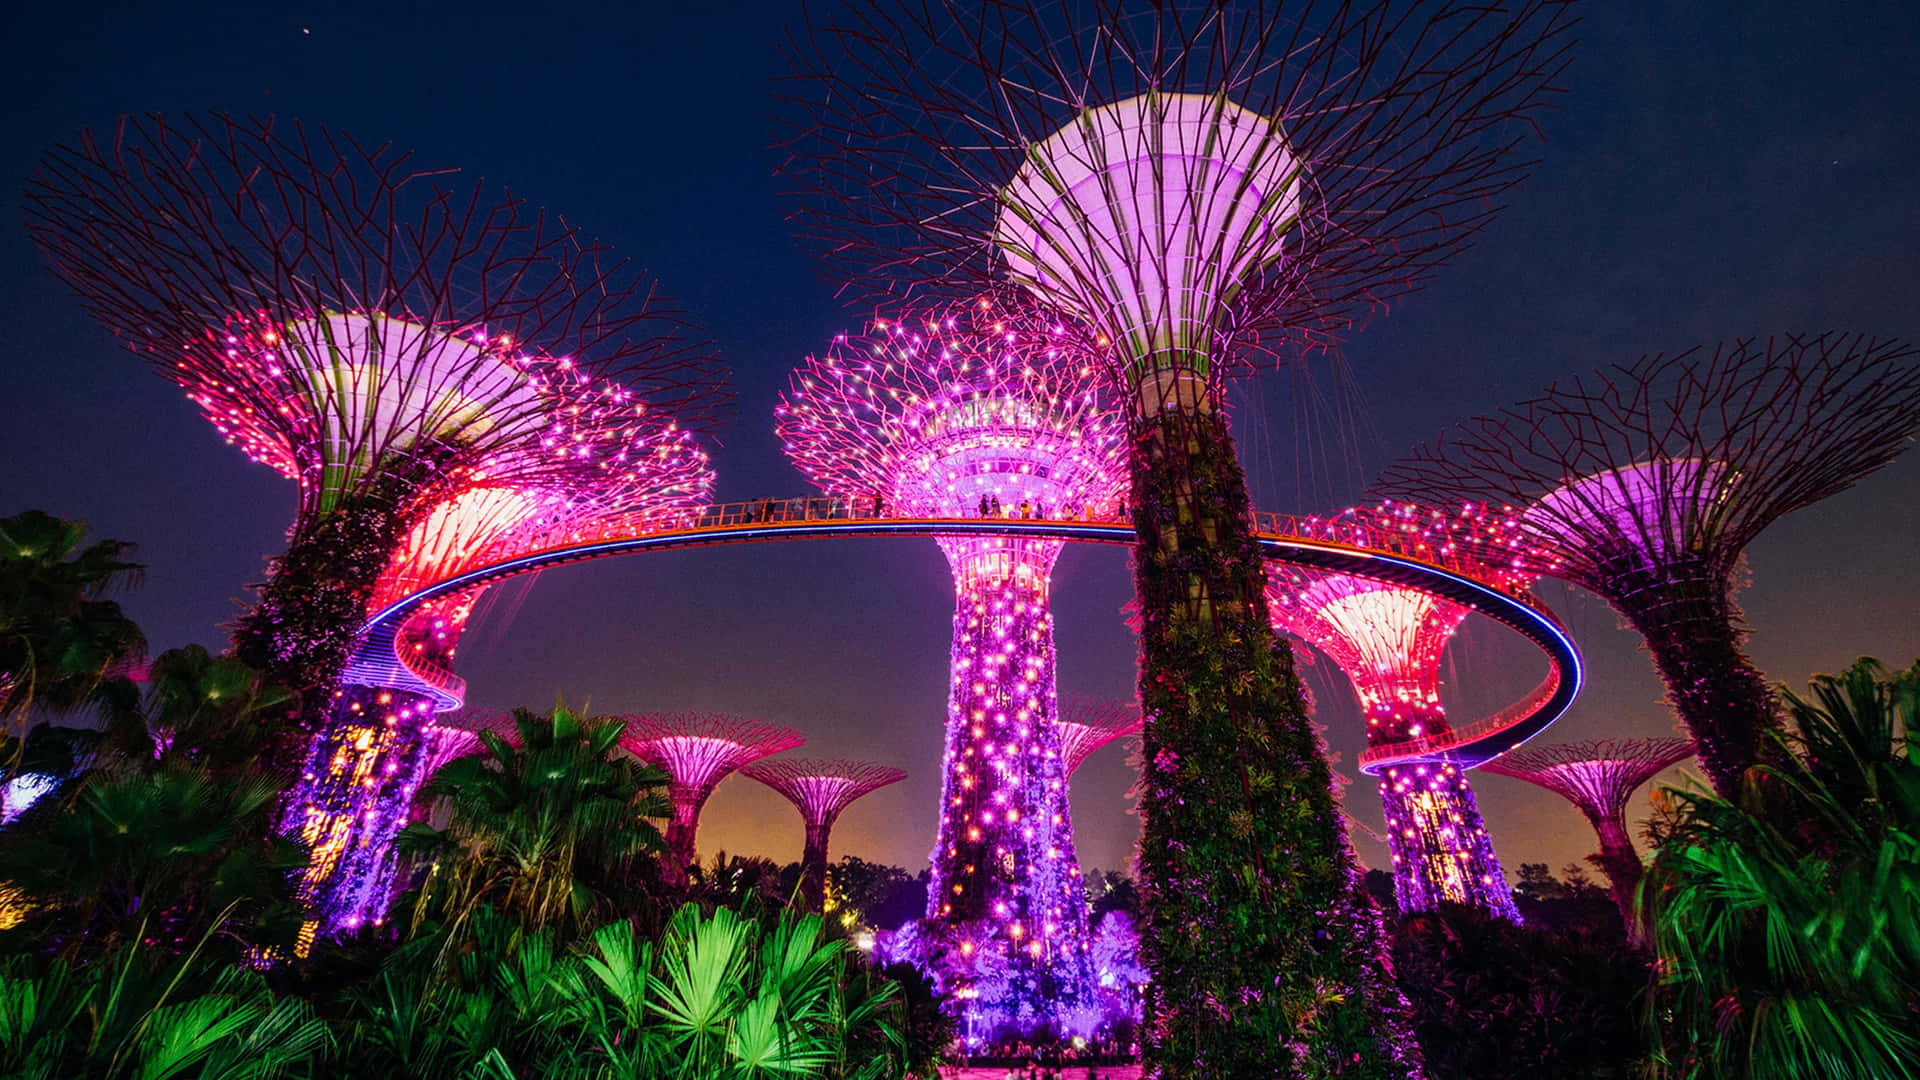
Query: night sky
(1707, 175)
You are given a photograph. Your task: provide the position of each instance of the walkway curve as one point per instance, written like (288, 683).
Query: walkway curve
(377, 663)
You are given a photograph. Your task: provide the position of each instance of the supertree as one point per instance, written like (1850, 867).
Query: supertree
(366, 762)
(1598, 777)
(1388, 640)
(1087, 724)
(1202, 186)
(1645, 483)
(820, 790)
(346, 317)
(697, 750)
(956, 412)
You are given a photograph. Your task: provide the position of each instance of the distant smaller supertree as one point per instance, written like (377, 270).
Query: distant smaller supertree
(1087, 724)
(1598, 777)
(698, 750)
(1644, 482)
(820, 790)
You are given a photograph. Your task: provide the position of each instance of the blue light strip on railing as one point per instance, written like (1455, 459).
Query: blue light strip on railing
(1516, 615)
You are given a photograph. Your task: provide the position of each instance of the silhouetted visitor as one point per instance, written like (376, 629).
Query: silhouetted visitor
(997, 512)
(983, 506)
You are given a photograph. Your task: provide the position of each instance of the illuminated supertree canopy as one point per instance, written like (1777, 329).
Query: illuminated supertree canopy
(982, 409)
(1087, 724)
(1598, 777)
(1388, 640)
(1645, 482)
(1202, 186)
(369, 758)
(349, 319)
(697, 750)
(820, 790)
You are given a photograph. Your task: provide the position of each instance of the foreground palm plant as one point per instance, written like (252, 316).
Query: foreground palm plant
(721, 996)
(61, 640)
(552, 826)
(1786, 918)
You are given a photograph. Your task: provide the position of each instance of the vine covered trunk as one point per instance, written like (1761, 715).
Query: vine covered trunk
(1617, 859)
(1692, 629)
(1268, 958)
(813, 867)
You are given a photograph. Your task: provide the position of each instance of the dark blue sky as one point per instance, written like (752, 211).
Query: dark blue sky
(1712, 172)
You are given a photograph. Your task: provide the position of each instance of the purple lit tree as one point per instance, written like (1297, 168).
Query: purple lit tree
(1598, 777)
(697, 750)
(1645, 482)
(967, 411)
(363, 767)
(1388, 640)
(383, 339)
(820, 790)
(1203, 187)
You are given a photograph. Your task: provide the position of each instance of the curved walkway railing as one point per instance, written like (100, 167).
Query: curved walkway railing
(1450, 572)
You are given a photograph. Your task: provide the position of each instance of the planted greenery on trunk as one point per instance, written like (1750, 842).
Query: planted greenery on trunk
(1258, 927)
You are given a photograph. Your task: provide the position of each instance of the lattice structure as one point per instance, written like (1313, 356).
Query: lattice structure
(697, 750)
(1598, 777)
(349, 798)
(347, 318)
(1645, 482)
(1202, 187)
(1087, 724)
(1388, 640)
(820, 790)
(981, 409)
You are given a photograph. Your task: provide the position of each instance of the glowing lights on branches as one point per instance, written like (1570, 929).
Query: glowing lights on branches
(697, 750)
(821, 791)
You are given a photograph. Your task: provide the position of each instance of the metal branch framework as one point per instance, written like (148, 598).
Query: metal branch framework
(348, 318)
(1087, 724)
(983, 409)
(1231, 179)
(1598, 776)
(821, 790)
(1388, 640)
(1645, 482)
(1203, 186)
(697, 750)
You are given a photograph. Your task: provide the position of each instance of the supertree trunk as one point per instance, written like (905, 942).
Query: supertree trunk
(1439, 842)
(1621, 863)
(1266, 954)
(1692, 628)
(813, 867)
(998, 861)
(354, 794)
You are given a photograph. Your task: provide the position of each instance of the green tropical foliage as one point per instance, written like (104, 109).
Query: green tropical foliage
(1787, 920)
(721, 996)
(551, 827)
(61, 640)
(142, 1014)
(168, 834)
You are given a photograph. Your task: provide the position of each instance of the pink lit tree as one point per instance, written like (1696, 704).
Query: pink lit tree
(364, 766)
(697, 750)
(1645, 482)
(1202, 188)
(1388, 640)
(821, 791)
(1598, 777)
(346, 316)
(1087, 724)
(966, 411)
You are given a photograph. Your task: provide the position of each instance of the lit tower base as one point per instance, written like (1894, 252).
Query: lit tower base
(368, 761)
(1598, 777)
(821, 791)
(981, 410)
(1644, 483)
(1388, 640)
(697, 751)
